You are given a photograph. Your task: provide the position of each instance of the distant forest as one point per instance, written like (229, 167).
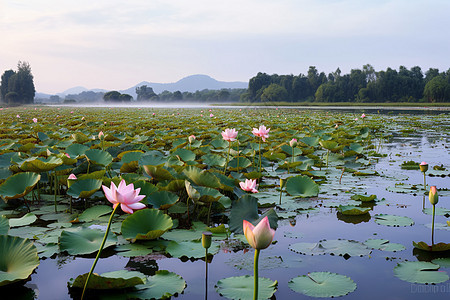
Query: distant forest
(361, 85)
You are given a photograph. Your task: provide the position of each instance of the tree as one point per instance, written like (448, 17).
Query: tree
(437, 89)
(145, 93)
(273, 93)
(177, 96)
(20, 82)
(112, 96)
(125, 98)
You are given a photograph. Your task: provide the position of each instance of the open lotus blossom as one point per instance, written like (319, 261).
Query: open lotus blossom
(17, 116)
(72, 176)
(211, 115)
(229, 134)
(259, 236)
(34, 120)
(363, 116)
(125, 195)
(262, 132)
(249, 185)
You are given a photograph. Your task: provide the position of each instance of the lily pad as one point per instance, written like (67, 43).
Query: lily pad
(85, 241)
(162, 199)
(84, 188)
(393, 220)
(442, 262)
(322, 284)
(27, 219)
(93, 213)
(439, 247)
(4, 225)
(18, 185)
(37, 164)
(241, 288)
(302, 186)
(353, 210)
(420, 272)
(146, 224)
(111, 280)
(18, 259)
(190, 249)
(162, 285)
(384, 245)
(98, 157)
(345, 248)
(438, 211)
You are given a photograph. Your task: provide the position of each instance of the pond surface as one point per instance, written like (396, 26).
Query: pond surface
(372, 273)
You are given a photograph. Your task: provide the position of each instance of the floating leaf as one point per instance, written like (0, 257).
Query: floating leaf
(393, 220)
(146, 224)
(439, 211)
(111, 280)
(4, 225)
(442, 262)
(322, 284)
(302, 186)
(420, 272)
(27, 219)
(162, 285)
(353, 210)
(241, 288)
(93, 213)
(184, 154)
(190, 249)
(18, 185)
(98, 157)
(162, 199)
(84, 188)
(18, 259)
(433, 248)
(345, 248)
(384, 245)
(38, 164)
(85, 241)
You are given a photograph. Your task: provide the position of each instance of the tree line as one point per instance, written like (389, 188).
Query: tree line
(17, 87)
(361, 85)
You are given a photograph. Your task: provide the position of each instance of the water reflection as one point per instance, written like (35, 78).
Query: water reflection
(353, 219)
(142, 264)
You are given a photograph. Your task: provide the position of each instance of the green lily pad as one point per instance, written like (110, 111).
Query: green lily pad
(214, 160)
(439, 247)
(353, 210)
(184, 154)
(329, 145)
(85, 241)
(146, 224)
(420, 272)
(162, 199)
(18, 185)
(27, 219)
(246, 208)
(393, 220)
(201, 177)
(111, 280)
(322, 284)
(241, 288)
(93, 213)
(162, 285)
(153, 158)
(38, 164)
(4, 225)
(76, 150)
(364, 198)
(132, 250)
(239, 163)
(84, 188)
(310, 141)
(442, 262)
(384, 245)
(98, 157)
(439, 211)
(18, 259)
(190, 249)
(302, 186)
(345, 248)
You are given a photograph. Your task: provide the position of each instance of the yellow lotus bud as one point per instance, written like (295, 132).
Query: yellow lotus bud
(206, 239)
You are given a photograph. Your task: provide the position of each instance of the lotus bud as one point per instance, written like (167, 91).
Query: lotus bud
(71, 179)
(293, 143)
(206, 239)
(423, 167)
(191, 139)
(282, 183)
(433, 195)
(101, 135)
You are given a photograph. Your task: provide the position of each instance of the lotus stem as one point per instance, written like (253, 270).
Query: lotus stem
(255, 275)
(342, 174)
(424, 181)
(228, 157)
(99, 252)
(432, 228)
(209, 212)
(328, 151)
(423, 202)
(56, 187)
(259, 156)
(206, 273)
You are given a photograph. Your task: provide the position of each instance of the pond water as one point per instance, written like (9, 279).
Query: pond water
(372, 273)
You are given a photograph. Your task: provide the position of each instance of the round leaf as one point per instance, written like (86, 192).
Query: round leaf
(302, 186)
(99, 157)
(420, 272)
(85, 241)
(322, 284)
(18, 185)
(146, 224)
(241, 287)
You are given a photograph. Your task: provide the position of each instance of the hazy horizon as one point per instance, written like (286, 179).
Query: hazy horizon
(115, 44)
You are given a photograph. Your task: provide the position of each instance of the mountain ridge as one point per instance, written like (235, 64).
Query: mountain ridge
(189, 83)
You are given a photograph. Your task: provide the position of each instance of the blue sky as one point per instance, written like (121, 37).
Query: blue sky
(113, 44)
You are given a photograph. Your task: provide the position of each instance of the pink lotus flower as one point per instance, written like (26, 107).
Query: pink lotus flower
(125, 195)
(66, 154)
(34, 120)
(293, 143)
(423, 166)
(249, 185)
(211, 115)
(262, 132)
(363, 116)
(101, 135)
(72, 176)
(433, 196)
(18, 116)
(229, 135)
(191, 138)
(261, 236)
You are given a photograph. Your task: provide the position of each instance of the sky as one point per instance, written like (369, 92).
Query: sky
(113, 45)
